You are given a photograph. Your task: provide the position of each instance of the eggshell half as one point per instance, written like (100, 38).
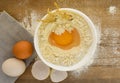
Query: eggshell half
(40, 71)
(58, 76)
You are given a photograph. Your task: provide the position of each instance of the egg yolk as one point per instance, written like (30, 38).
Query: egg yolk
(64, 39)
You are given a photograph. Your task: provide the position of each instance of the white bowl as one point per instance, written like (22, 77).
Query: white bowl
(85, 59)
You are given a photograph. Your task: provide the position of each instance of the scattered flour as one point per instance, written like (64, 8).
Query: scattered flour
(107, 52)
(113, 32)
(77, 73)
(116, 50)
(30, 22)
(112, 10)
(22, 3)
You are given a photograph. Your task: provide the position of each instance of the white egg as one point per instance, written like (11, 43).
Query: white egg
(13, 67)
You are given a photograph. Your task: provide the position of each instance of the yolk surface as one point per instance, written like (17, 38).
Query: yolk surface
(64, 39)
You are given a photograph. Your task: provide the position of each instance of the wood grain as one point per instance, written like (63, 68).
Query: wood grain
(106, 67)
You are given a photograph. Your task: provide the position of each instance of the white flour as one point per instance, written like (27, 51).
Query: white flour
(114, 33)
(30, 22)
(112, 10)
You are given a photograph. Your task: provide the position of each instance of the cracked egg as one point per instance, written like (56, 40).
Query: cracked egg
(66, 40)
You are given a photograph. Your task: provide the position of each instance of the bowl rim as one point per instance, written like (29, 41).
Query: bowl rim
(82, 62)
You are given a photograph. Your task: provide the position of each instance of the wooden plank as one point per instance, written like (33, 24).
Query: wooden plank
(106, 66)
(92, 75)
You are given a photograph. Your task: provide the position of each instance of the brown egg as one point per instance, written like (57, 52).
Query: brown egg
(22, 49)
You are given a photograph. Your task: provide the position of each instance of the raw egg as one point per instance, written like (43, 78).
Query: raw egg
(22, 49)
(66, 40)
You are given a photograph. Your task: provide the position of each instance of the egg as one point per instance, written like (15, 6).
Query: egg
(13, 67)
(66, 40)
(22, 49)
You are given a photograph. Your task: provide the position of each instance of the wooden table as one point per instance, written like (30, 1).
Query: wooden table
(105, 14)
